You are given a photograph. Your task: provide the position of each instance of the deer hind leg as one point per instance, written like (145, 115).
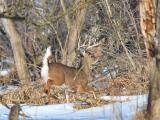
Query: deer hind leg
(47, 88)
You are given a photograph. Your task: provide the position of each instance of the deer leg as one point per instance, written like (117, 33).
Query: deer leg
(66, 92)
(47, 88)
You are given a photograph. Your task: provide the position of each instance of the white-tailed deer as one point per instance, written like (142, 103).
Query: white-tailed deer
(58, 74)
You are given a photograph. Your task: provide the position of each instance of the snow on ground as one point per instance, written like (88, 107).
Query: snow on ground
(122, 98)
(124, 109)
(113, 111)
(7, 88)
(5, 72)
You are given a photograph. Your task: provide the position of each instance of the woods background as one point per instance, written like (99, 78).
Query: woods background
(109, 30)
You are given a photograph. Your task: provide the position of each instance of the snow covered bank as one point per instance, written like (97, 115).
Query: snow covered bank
(7, 88)
(115, 111)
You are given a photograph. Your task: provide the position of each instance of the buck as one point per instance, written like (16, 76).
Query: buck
(58, 74)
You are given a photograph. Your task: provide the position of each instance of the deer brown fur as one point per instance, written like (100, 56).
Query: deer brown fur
(59, 74)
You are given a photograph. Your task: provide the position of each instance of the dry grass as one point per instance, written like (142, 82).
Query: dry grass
(33, 94)
(25, 94)
(140, 116)
(127, 86)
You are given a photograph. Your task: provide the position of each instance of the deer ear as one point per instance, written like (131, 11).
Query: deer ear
(49, 60)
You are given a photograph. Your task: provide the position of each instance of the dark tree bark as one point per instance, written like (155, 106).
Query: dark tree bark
(150, 26)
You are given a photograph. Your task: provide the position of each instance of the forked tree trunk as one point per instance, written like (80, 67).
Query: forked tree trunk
(16, 44)
(74, 31)
(150, 18)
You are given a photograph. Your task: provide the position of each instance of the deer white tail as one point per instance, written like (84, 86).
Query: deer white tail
(45, 68)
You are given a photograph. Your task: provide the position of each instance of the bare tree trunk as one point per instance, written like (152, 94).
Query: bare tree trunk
(18, 51)
(74, 31)
(150, 18)
(67, 19)
(147, 20)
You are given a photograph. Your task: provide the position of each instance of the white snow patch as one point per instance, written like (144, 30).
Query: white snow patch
(121, 98)
(9, 61)
(114, 111)
(7, 88)
(5, 72)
